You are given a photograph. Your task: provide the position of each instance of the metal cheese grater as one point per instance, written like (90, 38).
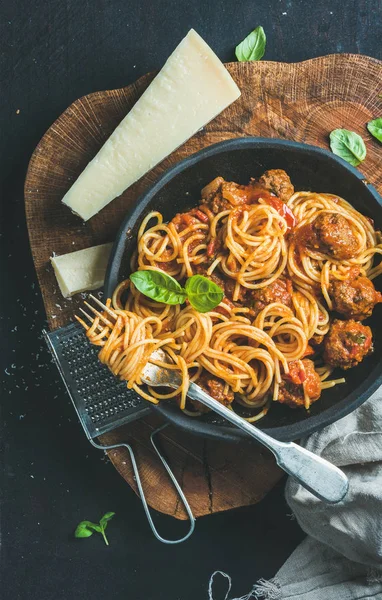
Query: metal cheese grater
(103, 403)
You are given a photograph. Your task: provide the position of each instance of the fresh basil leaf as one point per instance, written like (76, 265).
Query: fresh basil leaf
(83, 532)
(375, 128)
(92, 526)
(348, 145)
(159, 286)
(253, 46)
(203, 294)
(86, 529)
(106, 518)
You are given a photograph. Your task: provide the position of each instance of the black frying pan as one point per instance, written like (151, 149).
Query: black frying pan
(310, 168)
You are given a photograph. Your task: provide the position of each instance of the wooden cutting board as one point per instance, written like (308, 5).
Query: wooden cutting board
(301, 102)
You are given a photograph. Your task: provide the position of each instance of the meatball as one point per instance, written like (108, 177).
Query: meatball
(219, 204)
(212, 188)
(212, 196)
(355, 299)
(278, 183)
(236, 194)
(279, 291)
(331, 234)
(222, 195)
(347, 343)
(302, 378)
(215, 388)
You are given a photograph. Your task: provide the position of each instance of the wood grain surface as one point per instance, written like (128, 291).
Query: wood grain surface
(301, 102)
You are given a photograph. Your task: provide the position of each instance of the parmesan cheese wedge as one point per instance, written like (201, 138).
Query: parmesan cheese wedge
(82, 270)
(190, 90)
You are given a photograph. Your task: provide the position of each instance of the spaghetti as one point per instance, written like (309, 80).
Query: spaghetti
(277, 269)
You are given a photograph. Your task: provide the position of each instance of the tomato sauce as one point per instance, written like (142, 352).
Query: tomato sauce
(283, 210)
(296, 372)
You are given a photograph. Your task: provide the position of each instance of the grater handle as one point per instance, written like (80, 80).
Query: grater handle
(140, 488)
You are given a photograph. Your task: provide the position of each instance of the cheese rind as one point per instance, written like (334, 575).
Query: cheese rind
(192, 88)
(82, 270)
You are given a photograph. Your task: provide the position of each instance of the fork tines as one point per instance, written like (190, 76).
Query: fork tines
(101, 315)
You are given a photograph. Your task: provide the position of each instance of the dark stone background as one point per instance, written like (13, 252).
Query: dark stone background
(52, 52)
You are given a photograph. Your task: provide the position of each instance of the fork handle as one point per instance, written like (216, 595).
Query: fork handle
(324, 480)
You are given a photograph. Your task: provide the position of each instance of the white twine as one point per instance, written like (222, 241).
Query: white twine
(268, 590)
(210, 593)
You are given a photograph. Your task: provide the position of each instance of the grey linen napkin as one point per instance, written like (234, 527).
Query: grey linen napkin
(341, 559)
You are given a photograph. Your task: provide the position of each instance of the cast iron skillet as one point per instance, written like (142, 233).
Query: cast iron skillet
(310, 168)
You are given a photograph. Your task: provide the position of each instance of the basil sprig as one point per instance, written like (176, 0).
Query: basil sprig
(375, 128)
(348, 145)
(159, 286)
(203, 295)
(253, 46)
(87, 528)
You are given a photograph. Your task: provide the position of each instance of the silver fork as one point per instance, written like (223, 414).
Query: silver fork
(316, 474)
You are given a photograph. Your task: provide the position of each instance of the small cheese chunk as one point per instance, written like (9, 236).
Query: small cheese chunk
(190, 90)
(82, 270)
